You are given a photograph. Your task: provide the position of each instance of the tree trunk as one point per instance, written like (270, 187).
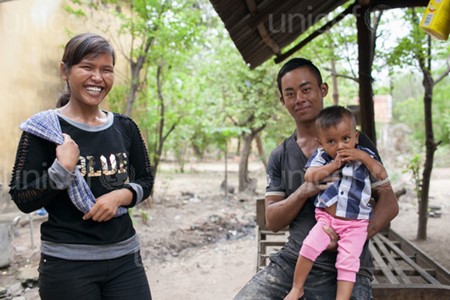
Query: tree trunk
(159, 138)
(135, 68)
(261, 152)
(244, 180)
(429, 156)
(133, 89)
(226, 172)
(335, 82)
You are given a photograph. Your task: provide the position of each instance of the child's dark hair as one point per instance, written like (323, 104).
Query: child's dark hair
(80, 46)
(296, 63)
(333, 115)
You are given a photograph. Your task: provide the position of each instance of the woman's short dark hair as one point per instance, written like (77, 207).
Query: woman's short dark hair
(78, 47)
(296, 63)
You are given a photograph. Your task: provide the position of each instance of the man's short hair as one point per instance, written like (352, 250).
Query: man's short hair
(296, 63)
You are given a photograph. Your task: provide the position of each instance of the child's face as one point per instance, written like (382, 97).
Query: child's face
(341, 136)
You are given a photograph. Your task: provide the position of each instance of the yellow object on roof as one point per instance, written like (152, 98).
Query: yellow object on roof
(436, 19)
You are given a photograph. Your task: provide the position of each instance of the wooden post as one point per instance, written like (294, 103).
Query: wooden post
(365, 55)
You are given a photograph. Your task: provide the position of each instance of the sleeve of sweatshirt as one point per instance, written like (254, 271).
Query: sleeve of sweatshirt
(31, 186)
(141, 178)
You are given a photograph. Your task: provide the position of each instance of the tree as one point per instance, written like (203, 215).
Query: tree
(250, 102)
(157, 36)
(416, 49)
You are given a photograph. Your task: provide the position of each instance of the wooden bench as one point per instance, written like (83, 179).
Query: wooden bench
(402, 271)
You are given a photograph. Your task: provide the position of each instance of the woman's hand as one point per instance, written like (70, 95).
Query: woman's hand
(105, 207)
(68, 153)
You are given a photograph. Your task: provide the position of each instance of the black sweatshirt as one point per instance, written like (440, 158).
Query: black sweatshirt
(112, 156)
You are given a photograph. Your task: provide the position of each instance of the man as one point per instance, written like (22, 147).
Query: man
(289, 199)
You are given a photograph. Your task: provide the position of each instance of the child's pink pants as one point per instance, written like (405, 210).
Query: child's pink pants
(352, 236)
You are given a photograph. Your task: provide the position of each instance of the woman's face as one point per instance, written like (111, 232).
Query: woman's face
(90, 80)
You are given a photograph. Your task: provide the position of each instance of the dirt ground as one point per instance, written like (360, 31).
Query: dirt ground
(196, 244)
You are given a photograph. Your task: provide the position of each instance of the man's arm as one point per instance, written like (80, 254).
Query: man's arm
(386, 208)
(280, 211)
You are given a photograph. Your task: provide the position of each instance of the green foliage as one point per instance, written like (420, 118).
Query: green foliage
(338, 44)
(412, 46)
(441, 111)
(145, 218)
(414, 168)
(441, 157)
(230, 99)
(410, 112)
(117, 98)
(206, 95)
(75, 11)
(408, 94)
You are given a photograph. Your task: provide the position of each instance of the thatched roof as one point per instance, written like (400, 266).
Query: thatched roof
(261, 29)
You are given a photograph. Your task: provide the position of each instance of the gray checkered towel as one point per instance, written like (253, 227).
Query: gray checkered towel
(46, 125)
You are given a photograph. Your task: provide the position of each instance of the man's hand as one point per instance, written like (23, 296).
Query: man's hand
(327, 181)
(308, 189)
(334, 238)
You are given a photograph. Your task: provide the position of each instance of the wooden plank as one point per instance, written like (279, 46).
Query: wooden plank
(268, 232)
(382, 265)
(409, 261)
(395, 258)
(272, 243)
(398, 270)
(441, 273)
(411, 291)
(261, 214)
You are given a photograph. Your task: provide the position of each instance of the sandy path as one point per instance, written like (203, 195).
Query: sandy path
(189, 212)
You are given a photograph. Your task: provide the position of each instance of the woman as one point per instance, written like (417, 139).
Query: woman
(85, 166)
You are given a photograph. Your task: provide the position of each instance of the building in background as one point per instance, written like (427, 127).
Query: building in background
(32, 37)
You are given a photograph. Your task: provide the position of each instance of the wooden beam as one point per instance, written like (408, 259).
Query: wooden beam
(262, 14)
(313, 35)
(391, 4)
(373, 5)
(252, 8)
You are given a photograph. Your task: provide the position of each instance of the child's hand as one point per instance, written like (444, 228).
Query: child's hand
(338, 161)
(349, 155)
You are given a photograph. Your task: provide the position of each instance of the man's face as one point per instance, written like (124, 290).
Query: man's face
(302, 95)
